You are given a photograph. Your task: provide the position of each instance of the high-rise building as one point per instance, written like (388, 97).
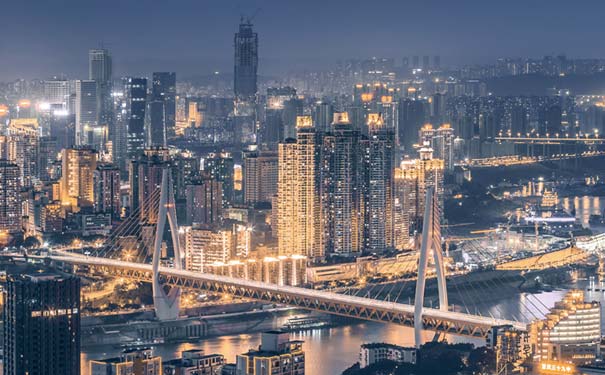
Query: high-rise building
(204, 201)
(379, 201)
(205, 245)
(323, 113)
(411, 180)
(277, 355)
(273, 129)
(299, 224)
(87, 130)
(342, 188)
(441, 140)
(246, 60)
(135, 96)
(412, 116)
(56, 92)
(260, 176)
(156, 124)
(22, 146)
(164, 90)
(10, 200)
(77, 187)
(145, 177)
(571, 331)
(42, 325)
(220, 167)
(130, 362)
(100, 70)
(106, 181)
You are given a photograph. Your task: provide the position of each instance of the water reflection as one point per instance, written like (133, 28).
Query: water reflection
(584, 206)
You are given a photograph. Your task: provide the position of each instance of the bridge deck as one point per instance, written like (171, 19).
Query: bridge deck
(334, 303)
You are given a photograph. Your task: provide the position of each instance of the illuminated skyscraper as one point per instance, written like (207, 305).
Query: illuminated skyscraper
(10, 200)
(379, 225)
(246, 60)
(164, 90)
(145, 178)
(411, 180)
(56, 92)
(135, 95)
(299, 193)
(342, 189)
(77, 187)
(21, 147)
(221, 168)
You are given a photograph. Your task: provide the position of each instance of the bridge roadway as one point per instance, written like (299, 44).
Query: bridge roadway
(333, 303)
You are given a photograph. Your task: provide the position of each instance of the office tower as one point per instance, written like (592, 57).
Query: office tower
(277, 353)
(411, 118)
(571, 331)
(156, 129)
(195, 362)
(379, 169)
(135, 95)
(145, 177)
(246, 61)
(260, 176)
(299, 192)
(56, 92)
(42, 325)
(22, 146)
(87, 130)
(204, 201)
(164, 90)
(130, 362)
(204, 246)
(10, 199)
(100, 70)
(342, 189)
(323, 112)
(77, 188)
(106, 181)
(119, 132)
(220, 167)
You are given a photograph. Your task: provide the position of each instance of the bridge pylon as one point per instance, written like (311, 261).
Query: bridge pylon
(431, 243)
(166, 304)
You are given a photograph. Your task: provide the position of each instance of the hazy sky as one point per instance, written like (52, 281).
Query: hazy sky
(39, 38)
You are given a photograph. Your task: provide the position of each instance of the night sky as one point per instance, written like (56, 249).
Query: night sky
(40, 38)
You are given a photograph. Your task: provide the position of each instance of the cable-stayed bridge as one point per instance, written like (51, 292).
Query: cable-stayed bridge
(128, 251)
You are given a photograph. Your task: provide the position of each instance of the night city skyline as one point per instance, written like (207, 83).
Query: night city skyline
(194, 37)
(312, 187)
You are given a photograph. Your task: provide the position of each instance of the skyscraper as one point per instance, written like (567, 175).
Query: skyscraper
(87, 131)
(164, 89)
(246, 60)
(379, 170)
(412, 116)
(10, 201)
(135, 95)
(77, 188)
(260, 176)
(299, 225)
(100, 71)
(107, 190)
(42, 325)
(220, 167)
(156, 124)
(342, 188)
(204, 201)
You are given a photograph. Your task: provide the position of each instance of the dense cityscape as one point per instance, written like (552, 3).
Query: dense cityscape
(404, 213)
